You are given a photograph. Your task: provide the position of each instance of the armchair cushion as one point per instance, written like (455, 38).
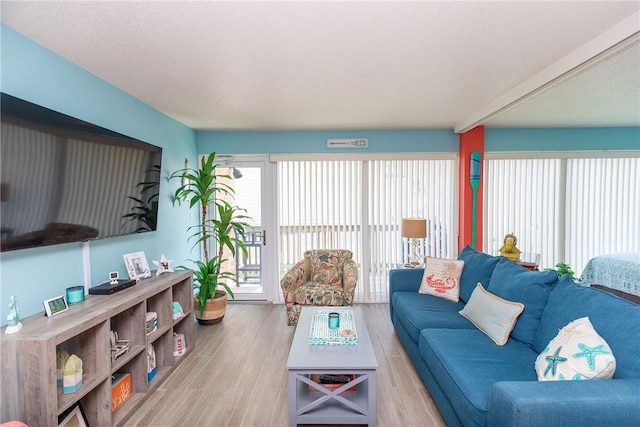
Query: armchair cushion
(319, 294)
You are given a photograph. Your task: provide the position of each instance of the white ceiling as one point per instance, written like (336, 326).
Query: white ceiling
(355, 65)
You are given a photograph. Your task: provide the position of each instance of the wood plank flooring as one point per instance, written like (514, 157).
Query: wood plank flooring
(236, 375)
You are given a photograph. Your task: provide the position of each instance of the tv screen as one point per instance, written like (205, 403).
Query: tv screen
(65, 180)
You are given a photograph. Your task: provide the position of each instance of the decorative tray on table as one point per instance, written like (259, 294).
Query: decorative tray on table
(321, 334)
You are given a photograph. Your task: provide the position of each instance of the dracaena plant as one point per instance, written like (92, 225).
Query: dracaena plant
(226, 227)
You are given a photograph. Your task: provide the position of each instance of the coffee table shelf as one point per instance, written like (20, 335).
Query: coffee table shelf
(312, 403)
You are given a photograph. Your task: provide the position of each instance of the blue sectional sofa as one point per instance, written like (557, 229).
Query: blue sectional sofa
(476, 382)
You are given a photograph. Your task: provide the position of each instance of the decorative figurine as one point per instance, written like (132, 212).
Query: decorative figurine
(164, 265)
(509, 249)
(118, 346)
(176, 310)
(13, 318)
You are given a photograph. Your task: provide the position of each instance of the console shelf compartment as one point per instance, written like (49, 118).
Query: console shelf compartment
(28, 358)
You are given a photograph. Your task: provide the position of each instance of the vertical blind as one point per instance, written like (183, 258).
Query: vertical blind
(523, 196)
(319, 208)
(358, 205)
(568, 209)
(401, 189)
(603, 208)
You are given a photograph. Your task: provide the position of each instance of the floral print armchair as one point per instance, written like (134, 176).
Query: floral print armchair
(325, 277)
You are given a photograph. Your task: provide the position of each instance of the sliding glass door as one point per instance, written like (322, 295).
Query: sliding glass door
(359, 205)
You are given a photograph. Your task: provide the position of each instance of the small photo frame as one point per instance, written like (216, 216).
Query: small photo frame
(137, 265)
(73, 417)
(55, 305)
(113, 277)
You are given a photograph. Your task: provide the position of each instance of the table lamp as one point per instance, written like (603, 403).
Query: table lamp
(414, 229)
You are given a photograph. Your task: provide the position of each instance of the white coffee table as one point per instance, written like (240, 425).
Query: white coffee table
(313, 403)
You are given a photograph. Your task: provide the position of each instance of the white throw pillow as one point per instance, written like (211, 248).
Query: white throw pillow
(493, 315)
(441, 278)
(576, 353)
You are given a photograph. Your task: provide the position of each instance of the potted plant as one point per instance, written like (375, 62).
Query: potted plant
(226, 228)
(563, 269)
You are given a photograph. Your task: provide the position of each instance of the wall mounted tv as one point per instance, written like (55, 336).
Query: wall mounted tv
(65, 180)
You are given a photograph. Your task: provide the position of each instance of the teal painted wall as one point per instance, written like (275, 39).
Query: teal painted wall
(561, 139)
(281, 142)
(427, 140)
(31, 72)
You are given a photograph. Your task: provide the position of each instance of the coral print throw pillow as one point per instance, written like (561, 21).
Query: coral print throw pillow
(576, 353)
(442, 278)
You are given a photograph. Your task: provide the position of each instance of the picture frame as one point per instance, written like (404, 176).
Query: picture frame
(55, 305)
(73, 417)
(137, 266)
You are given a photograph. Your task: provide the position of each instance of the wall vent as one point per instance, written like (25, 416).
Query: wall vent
(348, 143)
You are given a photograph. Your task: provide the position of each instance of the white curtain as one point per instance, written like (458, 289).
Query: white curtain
(359, 204)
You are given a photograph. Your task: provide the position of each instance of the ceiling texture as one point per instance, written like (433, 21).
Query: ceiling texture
(308, 65)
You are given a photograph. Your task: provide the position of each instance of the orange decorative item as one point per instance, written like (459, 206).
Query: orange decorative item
(120, 390)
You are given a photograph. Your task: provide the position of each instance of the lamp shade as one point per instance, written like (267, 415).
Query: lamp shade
(414, 228)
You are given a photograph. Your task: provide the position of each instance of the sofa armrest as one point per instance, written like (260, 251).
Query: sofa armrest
(403, 280)
(565, 403)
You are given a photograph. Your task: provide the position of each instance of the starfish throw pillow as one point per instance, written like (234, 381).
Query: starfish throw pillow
(576, 353)
(442, 278)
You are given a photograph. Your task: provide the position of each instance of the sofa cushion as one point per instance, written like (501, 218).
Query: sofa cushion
(441, 278)
(418, 311)
(466, 363)
(515, 283)
(478, 267)
(576, 353)
(615, 319)
(491, 314)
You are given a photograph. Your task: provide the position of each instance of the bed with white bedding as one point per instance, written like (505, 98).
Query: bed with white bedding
(616, 271)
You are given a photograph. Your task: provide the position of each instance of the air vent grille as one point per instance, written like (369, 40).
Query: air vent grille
(348, 143)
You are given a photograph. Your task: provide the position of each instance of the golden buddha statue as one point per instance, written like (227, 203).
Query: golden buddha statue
(509, 248)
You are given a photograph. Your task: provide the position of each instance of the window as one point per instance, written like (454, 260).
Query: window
(569, 207)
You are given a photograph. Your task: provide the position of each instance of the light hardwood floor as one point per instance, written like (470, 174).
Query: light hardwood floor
(236, 375)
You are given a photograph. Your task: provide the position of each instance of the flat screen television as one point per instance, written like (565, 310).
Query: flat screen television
(65, 180)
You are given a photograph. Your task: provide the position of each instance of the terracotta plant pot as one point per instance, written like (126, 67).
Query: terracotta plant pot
(214, 309)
